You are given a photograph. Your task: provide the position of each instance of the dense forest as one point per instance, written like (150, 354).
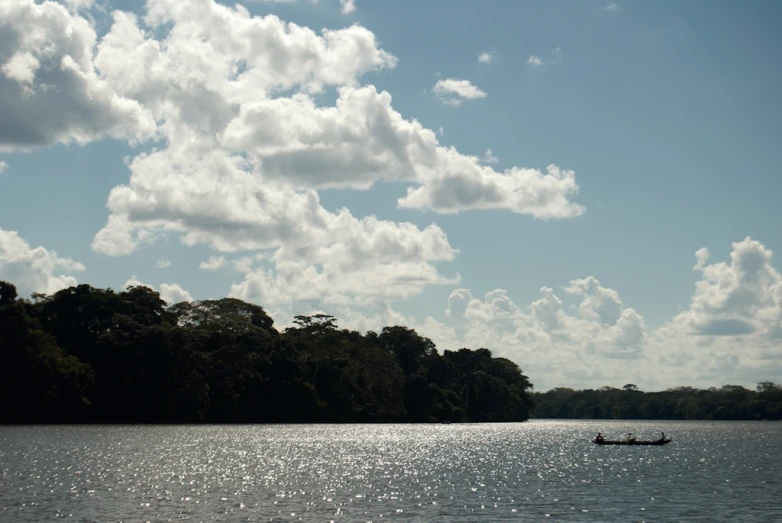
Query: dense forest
(729, 402)
(95, 355)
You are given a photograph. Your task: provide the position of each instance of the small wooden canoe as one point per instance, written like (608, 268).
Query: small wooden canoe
(636, 442)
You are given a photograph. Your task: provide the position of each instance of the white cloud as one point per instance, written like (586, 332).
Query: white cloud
(488, 157)
(354, 144)
(487, 57)
(348, 6)
(244, 146)
(3, 166)
(244, 264)
(453, 92)
(544, 195)
(75, 5)
(209, 77)
(274, 151)
(229, 56)
(163, 264)
(211, 200)
(603, 342)
(732, 329)
(552, 346)
(173, 293)
(739, 298)
(51, 90)
(33, 269)
(599, 303)
(440, 132)
(291, 283)
(214, 263)
(730, 333)
(613, 8)
(169, 293)
(536, 61)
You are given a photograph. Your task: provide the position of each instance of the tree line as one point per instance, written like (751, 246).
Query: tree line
(90, 355)
(729, 402)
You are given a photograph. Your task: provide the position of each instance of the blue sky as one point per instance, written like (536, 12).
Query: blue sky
(666, 112)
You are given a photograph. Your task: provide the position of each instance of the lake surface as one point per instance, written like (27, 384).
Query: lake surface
(542, 470)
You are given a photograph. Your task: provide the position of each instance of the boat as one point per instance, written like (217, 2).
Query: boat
(660, 441)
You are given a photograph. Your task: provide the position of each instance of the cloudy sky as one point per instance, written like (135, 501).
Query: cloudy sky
(590, 189)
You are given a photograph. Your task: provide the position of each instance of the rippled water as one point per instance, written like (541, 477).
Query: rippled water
(535, 471)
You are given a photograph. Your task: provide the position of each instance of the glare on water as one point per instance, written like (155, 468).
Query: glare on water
(535, 471)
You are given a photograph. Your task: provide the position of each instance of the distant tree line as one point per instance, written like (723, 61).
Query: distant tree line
(86, 354)
(729, 402)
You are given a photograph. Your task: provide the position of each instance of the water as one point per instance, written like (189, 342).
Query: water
(535, 471)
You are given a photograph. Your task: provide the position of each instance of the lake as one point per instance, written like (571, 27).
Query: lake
(542, 470)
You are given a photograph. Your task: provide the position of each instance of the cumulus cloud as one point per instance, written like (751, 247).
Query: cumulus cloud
(213, 263)
(34, 269)
(75, 5)
(537, 61)
(468, 185)
(51, 90)
(244, 146)
(292, 283)
(3, 166)
(453, 92)
(354, 144)
(212, 200)
(163, 264)
(544, 324)
(351, 261)
(245, 158)
(730, 332)
(224, 57)
(487, 57)
(171, 293)
(739, 298)
(546, 340)
(599, 303)
(347, 6)
(732, 329)
(488, 157)
(214, 78)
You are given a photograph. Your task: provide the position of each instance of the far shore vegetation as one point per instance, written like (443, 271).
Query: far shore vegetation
(89, 355)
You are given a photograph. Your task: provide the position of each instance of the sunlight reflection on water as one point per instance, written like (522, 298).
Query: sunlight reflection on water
(532, 471)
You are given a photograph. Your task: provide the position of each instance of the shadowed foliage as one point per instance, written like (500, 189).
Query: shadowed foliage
(729, 402)
(95, 355)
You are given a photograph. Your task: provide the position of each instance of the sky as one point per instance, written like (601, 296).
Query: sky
(590, 189)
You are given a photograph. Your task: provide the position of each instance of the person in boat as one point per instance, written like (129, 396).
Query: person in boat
(663, 438)
(630, 437)
(599, 437)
